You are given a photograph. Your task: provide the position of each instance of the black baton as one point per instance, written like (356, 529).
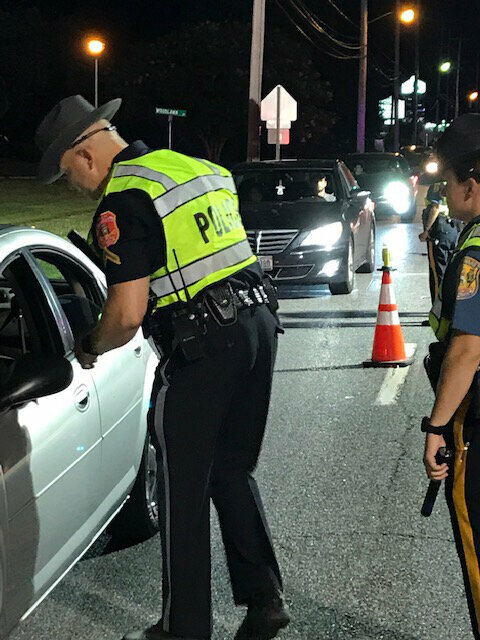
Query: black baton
(443, 455)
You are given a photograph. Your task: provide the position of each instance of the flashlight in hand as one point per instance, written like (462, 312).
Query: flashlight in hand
(444, 455)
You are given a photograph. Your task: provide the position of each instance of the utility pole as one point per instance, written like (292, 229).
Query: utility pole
(417, 75)
(362, 78)
(457, 81)
(439, 76)
(476, 81)
(396, 81)
(256, 69)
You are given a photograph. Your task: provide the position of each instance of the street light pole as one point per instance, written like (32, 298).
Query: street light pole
(96, 83)
(362, 78)
(457, 80)
(95, 47)
(417, 75)
(256, 68)
(396, 81)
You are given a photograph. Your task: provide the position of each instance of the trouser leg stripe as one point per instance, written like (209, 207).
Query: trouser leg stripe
(461, 509)
(433, 266)
(160, 431)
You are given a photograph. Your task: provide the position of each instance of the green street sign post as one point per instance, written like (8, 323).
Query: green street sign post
(180, 113)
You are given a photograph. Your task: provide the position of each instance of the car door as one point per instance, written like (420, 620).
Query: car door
(358, 214)
(50, 454)
(118, 375)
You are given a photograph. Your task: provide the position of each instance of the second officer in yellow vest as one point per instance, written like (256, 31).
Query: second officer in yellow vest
(455, 359)
(177, 260)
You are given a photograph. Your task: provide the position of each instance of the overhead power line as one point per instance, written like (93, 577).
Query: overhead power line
(319, 26)
(343, 14)
(330, 52)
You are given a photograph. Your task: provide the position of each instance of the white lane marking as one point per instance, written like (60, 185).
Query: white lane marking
(393, 381)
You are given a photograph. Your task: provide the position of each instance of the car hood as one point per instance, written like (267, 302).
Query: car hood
(376, 182)
(290, 215)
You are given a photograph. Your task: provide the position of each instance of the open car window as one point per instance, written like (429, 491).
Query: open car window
(75, 289)
(26, 322)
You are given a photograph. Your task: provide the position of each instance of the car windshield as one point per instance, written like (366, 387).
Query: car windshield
(282, 185)
(388, 164)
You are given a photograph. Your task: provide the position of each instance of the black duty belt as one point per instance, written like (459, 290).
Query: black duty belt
(253, 296)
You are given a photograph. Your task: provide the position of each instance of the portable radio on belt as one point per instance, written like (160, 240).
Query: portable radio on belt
(188, 322)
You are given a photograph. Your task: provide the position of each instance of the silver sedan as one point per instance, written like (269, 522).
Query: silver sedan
(75, 452)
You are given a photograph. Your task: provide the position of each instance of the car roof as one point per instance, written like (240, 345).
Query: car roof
(313, 163)
(374, 154)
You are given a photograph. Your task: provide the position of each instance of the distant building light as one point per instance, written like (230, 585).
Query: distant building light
(407, 87)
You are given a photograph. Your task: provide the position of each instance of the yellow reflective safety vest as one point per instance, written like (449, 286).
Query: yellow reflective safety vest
(197, 204)
(440, 321)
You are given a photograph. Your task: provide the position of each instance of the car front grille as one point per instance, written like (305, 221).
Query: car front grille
(270, 242)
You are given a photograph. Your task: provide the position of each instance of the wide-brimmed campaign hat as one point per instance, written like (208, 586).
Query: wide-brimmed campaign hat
(65, 122)
(461, 141)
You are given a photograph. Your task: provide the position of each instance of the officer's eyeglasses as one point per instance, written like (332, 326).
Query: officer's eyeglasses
(110, 127)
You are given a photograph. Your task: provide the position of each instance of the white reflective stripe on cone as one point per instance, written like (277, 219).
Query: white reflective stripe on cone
(388, 318)
(387, 294)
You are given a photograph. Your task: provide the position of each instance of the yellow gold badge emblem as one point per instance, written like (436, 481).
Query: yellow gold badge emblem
(469, 279)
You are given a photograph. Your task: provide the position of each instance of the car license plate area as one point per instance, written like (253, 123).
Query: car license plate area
(266, 262)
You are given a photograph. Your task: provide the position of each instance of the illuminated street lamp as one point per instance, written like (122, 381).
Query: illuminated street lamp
(407, 15)
(404, 15)
(445, 67)
(95, 47)
(472, 97)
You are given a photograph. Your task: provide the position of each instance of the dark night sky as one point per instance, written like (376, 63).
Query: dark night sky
(148, 19)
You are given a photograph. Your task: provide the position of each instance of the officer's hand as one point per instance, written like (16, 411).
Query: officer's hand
(423, 237)
(87, 360)
(432, 445)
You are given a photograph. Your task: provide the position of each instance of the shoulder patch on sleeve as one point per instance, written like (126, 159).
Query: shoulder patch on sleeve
(469, 279)
(107, 229)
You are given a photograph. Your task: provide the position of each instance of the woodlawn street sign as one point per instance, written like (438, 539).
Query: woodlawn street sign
(181, 113)
(171, 112)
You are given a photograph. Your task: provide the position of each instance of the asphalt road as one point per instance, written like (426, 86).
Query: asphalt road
(342, 481)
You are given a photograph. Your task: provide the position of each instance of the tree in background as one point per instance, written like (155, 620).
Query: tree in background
(204, 68)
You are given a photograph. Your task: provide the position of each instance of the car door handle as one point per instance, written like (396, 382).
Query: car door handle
(82, 398)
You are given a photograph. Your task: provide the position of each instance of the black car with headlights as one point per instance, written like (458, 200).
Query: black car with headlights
(391, 182)
(308, 221)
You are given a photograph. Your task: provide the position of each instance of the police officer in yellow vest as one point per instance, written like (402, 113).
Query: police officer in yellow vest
(177, 258)
(440, 233)
(455, 359)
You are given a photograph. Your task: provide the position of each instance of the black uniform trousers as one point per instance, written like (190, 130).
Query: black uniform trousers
(462, 490)
(209, 419)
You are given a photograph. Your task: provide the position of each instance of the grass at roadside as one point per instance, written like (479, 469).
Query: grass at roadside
(55, 207)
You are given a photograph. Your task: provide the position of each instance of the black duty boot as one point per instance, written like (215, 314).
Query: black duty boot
(264, 620)
(153, 633)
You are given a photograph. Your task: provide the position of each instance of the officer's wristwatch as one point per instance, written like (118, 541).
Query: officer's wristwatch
(87, 346)
(429, 428)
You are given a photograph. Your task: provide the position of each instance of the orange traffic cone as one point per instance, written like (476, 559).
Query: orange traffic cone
(388, 344)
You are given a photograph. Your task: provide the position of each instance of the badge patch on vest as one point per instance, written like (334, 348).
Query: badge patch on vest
(107, 230)
(469, 279)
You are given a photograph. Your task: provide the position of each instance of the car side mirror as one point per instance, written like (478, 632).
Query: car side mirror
(34, 376)
(357, 195)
